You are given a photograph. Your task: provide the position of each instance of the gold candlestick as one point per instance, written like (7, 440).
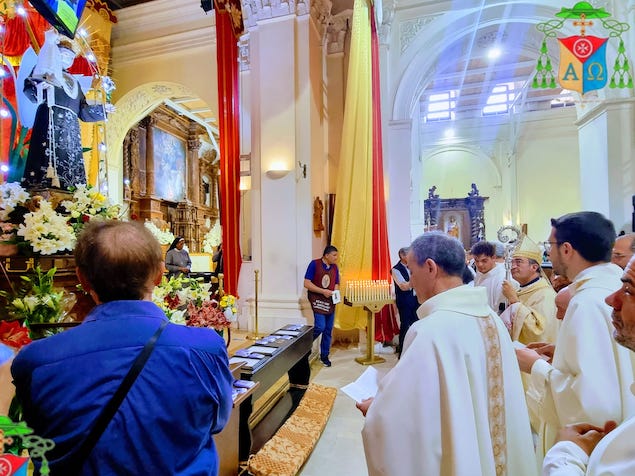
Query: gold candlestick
(256, 335)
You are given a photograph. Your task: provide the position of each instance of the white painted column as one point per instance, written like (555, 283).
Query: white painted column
(398, 158)
(281, 136)
(607, 172)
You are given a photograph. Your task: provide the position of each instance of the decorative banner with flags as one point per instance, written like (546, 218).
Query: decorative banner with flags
(583, 65)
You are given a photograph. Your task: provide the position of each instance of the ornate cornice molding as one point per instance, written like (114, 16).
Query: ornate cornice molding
(409, 29)
(243, 53)
(258, 10)
(388, 15)
(336, 31)
(152, 28)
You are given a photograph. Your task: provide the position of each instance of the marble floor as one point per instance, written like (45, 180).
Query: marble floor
(340, 451)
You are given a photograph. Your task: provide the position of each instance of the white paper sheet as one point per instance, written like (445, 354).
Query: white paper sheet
(248, 362)
(262, 350)
(364, 387)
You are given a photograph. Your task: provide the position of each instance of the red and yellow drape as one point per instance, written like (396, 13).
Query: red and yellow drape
(229, 127)
(359, 225)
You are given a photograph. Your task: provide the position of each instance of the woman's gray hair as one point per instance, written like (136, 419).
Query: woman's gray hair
(446, 251)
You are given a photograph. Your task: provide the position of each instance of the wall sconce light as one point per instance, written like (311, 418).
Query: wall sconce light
(276, 173)
(301, 170)
(245, 183)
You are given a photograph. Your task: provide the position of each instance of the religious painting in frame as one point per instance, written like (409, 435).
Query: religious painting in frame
(462, 218)
(456, 223)
(169, 165)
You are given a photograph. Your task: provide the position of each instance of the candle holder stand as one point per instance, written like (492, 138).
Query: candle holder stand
(372, 307)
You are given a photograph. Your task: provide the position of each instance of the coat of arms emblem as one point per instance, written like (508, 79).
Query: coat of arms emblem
(583, 58)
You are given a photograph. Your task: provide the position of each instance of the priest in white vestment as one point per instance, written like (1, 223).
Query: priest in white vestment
(531, 314)
(590, 376)
(490, 274)
(584, 451)
(453, 405)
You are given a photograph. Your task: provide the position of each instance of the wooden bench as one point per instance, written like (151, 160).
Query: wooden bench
(290, 447)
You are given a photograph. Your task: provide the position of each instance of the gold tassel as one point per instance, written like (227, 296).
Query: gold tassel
(56, 182)
(50, 171)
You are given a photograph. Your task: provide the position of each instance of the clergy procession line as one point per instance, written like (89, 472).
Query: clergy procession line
(514, 376)
(500, 376)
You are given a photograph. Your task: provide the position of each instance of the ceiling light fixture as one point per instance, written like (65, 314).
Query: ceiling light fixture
(494, 53)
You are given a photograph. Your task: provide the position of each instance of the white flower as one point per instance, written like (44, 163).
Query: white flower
(178, 316)
(11, 195)
(213, 238)
(163, 236)
(46, 231)
(31, 302)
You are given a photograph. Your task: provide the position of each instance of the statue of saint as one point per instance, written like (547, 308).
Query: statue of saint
(55, 157)
(452, 227)
(318, 209)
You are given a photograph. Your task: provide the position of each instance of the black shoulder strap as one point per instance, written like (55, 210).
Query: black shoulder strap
(113, 405)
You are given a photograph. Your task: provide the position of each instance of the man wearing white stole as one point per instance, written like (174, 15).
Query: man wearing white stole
(456, 392)
(589, 377)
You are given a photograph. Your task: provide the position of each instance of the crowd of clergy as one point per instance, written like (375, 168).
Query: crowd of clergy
(516, 373)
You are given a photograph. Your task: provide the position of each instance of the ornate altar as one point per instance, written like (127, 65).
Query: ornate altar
(165, 178)
(462, 218)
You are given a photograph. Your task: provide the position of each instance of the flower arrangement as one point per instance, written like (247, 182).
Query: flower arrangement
(188, 301)
(228, 305)
(88, 204)
(164, 237)
(38, 301)
(11, 195)
(212, 238)
(209, 314)
(35, 226)
(47, 231)
(175, 294)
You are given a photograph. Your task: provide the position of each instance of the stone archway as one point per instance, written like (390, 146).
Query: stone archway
(131, 108)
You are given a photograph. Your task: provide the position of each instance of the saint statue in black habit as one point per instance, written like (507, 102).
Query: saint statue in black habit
(55, 156)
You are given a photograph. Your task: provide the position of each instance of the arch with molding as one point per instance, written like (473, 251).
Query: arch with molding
(131, 108)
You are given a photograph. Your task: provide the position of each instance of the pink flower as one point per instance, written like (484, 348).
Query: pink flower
(208, 314)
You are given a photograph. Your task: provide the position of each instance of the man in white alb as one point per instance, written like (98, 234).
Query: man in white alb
(453, 404)
(490, 274)
(585, 450)
(590, 376)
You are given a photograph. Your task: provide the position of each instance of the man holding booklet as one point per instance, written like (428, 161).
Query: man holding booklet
(456, 391)
(322, 281)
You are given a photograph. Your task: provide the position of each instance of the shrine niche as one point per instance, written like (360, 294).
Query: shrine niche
(463, 218)
(165, 180)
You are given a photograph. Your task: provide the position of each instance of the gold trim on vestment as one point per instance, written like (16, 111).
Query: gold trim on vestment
(496, 400)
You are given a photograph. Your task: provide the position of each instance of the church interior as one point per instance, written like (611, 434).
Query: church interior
(273, 134)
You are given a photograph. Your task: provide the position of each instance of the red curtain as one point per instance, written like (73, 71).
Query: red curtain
(386, 325)
(229, 127)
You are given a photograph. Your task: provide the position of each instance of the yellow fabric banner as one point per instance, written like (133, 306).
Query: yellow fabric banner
(352, 222)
